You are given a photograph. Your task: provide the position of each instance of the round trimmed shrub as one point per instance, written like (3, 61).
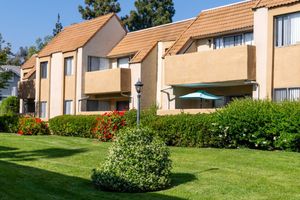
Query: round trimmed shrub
(138, 161)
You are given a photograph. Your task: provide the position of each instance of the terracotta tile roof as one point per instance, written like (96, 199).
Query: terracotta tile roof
(273, 3)
(140, 43)
(29, 74)
(30, 63)
(75, 36)
(226, 19)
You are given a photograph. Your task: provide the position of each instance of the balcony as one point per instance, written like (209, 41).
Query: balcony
(107, 81)
(223, 65)
(26, 89)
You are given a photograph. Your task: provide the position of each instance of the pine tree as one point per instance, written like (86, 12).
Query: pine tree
(149, 13)
(58, 26)
(95, 8)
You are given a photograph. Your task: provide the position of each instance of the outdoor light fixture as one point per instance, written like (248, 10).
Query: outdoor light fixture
(138, 86)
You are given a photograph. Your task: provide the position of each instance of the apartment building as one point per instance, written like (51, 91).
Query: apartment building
(246, 49)
(139, 56)
(61, 66)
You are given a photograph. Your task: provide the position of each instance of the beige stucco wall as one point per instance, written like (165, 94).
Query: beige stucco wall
(283, 63)
(104, 41)
(261, 43)
(287, 67)
(57, 85)
(149, 78)
(69, 91)
(204, 45)
(161, 98)
(191, 48)
(229, 64)
(79, 75)
(107, 81)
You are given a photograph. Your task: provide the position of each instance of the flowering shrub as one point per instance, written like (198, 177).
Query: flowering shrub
(32, 126)
(107, 124)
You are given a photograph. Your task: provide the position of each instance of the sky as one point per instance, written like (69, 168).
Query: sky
(23, 21)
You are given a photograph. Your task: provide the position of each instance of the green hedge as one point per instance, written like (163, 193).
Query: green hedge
(77, 126)
(243, 123)
(259, 124)
(9, 123)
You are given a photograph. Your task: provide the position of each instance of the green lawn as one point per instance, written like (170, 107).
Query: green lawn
(52, 167)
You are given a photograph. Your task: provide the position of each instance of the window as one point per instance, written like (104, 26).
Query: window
(43, 107)
(234, 40)
(44, 66)
(123, 63)
(248, 38)
(68, 66)
(96, 105)
(97, 63)
(287, 30)
(283, 94)
(68, 107)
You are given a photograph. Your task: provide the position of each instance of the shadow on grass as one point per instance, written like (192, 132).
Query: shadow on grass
(181, 178)
(13, 155)
(23, 182)
(2, 148)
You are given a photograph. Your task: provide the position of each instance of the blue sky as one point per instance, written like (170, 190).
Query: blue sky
(24, 21)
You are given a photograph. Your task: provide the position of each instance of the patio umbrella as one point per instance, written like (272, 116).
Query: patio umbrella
(200, 94)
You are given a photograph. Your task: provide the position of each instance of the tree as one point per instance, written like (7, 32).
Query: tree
(58, 26)
(20, 57)
(149, 13)
(95, 8)
(5, 51)
(39, 44)
(9, 106)
(4, 77)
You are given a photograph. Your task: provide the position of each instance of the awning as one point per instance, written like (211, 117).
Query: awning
(200, 94)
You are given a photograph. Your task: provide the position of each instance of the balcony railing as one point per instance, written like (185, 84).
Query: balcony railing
(229, 64)
(107, 81)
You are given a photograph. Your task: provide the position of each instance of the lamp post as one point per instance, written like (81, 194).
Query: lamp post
(138, 86)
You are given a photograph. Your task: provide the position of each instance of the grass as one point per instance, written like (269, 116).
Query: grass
(52, 167)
